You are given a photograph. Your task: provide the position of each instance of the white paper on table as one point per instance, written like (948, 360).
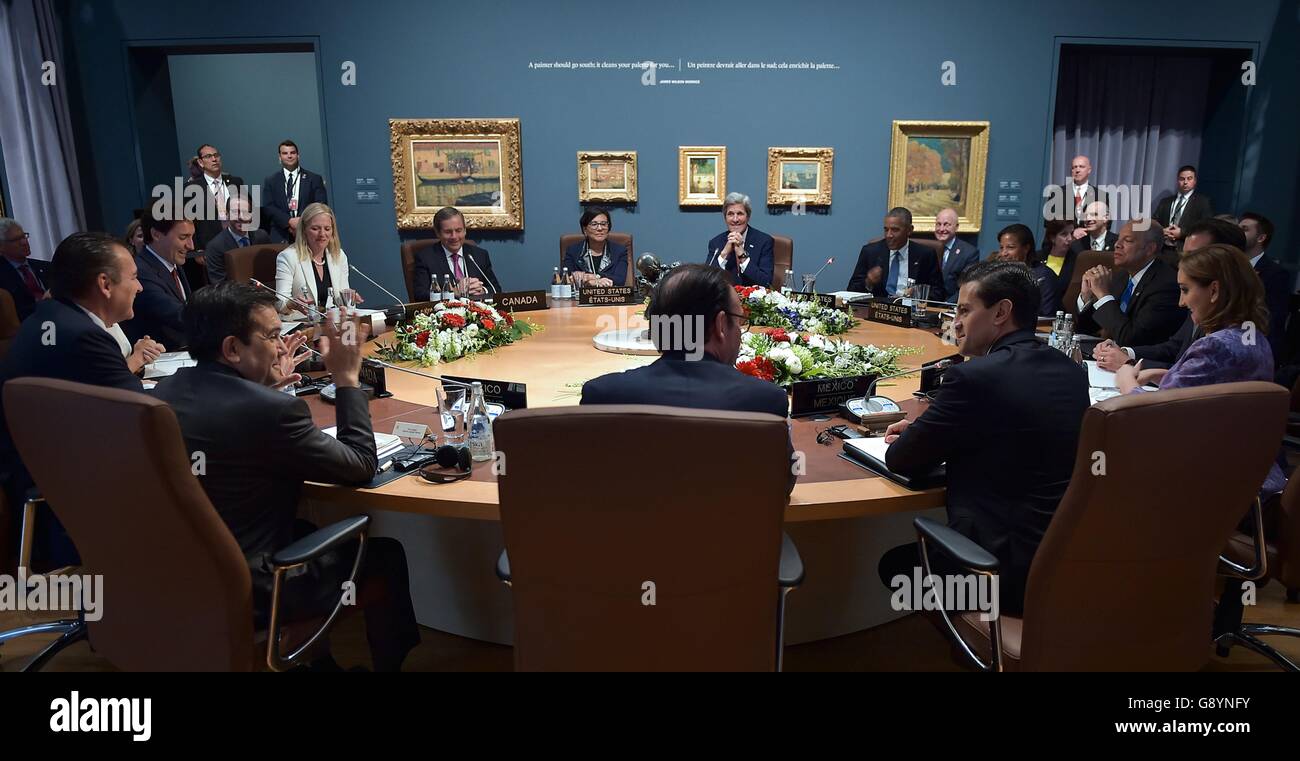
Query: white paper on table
(167, 364)
(849, 296)
(1096, 395)
(1099, 378)
(872, 445)
(385, 443)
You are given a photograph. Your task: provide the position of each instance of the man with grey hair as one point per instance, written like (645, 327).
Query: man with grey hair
(956, 254)
(744, 252)
(24, 277)
(1138, 303)
(885, 265)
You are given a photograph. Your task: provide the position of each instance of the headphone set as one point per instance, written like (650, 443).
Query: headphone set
(432, 465)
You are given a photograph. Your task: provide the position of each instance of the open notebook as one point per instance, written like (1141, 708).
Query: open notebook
(870, 454)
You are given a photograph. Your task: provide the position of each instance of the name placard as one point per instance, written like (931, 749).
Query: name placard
(606, 295)
(513, 395)
(520, 301)
(372, 374)
(890, 314)
(824, 299)
(826, 394)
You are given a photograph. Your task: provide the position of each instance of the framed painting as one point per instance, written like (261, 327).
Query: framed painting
(937, 165)
(701, 175)
(472, 164)
(607, 176)
(799, 175)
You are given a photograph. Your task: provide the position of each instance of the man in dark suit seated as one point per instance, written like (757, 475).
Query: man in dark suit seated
(957, 254)
(1006, 422)
(470, 267)
(94, 285)
(1111, 356)
(1258, 230)
(1138, 303)
(21, 275)
(259, 445)
(745, 252)
(1092, 235)
(165, 286)
(1179, 212)
(288, 192)
(696, 321)
(239, 232)
(885, 266)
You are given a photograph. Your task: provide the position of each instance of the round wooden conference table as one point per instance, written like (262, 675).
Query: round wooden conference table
(841, 516)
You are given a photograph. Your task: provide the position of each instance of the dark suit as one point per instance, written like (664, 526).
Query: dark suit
(309, 189)
(617, 269)
(13, 282)
(675, 381)
(922, 266)
(1153, 313)
(1049, 289)
(81, 352)
(432, 262)
(1277, 295)
(1007, 425)
(1067, 194)
(1197, 209)
(207, 228)
(1166, 353)
(960, 256)
(1077, 247)
(758, 246)
(259, 446)
(159, 305)
(218, 247)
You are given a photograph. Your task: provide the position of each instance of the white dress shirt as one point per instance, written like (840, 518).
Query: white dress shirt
(115, 331)
(894, 288)
(217, 186)
(743, 264)
(292, 200)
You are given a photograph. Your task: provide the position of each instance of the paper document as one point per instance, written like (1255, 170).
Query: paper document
(167, 364)
(385, 443)
(874, 446)
(1099, 378)
(851, 296)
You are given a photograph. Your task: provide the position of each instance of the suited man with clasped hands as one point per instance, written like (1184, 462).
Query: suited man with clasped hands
(744, 252)
(470, 267)
(1138, 303)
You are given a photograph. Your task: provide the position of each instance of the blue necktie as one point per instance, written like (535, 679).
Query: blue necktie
(892, 283)
(1125, 297)
(243, 241)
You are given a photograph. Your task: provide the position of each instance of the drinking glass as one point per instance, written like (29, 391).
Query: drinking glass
(451, 407)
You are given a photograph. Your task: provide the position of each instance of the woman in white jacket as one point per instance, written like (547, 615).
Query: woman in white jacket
(315, 263)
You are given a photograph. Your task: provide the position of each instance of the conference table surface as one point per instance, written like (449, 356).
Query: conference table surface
(555, 361)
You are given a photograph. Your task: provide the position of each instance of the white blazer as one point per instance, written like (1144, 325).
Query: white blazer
(293, 275)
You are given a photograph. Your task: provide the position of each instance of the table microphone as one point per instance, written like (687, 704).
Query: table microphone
(818, 272)
(871, 390)
(312, 308)
(369, 279)
(486, 280)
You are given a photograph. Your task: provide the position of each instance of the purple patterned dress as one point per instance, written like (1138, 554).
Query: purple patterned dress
(1225, 356)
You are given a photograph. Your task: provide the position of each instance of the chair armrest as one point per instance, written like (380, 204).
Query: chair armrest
(791, 573)
(503, 567)
(320, 541)
(958, 547)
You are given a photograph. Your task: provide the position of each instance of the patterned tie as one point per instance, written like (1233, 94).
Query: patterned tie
(892, 285)
(1177, 216)
(222, 198)
(29, 279)
(455, 263)
(243, 241)
(1126, 297)
(180, 289)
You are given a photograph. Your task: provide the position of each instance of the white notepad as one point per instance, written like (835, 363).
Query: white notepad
(167, 364)
(873, 445)
(385, 443)
(1099, 378)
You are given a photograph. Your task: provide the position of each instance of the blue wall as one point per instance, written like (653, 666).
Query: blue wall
(422, 59)
(252, 101)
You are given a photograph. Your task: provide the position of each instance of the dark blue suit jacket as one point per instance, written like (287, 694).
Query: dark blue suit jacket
(706, 384)
(758, 245)
(963, 255)
(11, 281)
(922, 266)
(158, 307)
(275, 204)
(1007, 425)
(1277, 295)
(617, 270)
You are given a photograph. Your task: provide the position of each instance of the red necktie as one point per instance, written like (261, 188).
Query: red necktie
(180, 289)
(29, 278)
(455, 263)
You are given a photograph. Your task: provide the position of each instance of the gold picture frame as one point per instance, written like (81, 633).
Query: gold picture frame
(472, 164)
(607, 176)
(701, 175)
(934, 165)
(800, 175)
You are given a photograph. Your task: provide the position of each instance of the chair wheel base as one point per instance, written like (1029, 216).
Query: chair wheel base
(1222, 650)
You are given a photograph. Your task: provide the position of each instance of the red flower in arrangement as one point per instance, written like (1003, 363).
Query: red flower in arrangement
(421, 339)
(510, 318)
(478, 310)
(489, 323)
(453, 320)
(777, 334)
(745, 290)
(451, 304)
(759, 367)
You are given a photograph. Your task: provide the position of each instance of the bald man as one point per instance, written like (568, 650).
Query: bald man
(956, 254)
(1080, 189)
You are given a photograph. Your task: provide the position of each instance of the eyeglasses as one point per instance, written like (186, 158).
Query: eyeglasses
(744, 319)
(24, 236)
(207, 156)
(598, 225)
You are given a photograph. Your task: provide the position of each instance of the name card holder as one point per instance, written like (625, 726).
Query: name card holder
(890, 314)
(613, 295)
(520, 301)
(825, 395)
(824, 299)
(514, 396)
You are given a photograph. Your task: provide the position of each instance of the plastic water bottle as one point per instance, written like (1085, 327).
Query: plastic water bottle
(448, 292)
(1066, 337)
(481, 444)
(566, 284)
(1055, 340)
(785, 285)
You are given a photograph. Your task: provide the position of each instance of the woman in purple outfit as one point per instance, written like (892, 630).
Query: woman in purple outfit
(1226, 300)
